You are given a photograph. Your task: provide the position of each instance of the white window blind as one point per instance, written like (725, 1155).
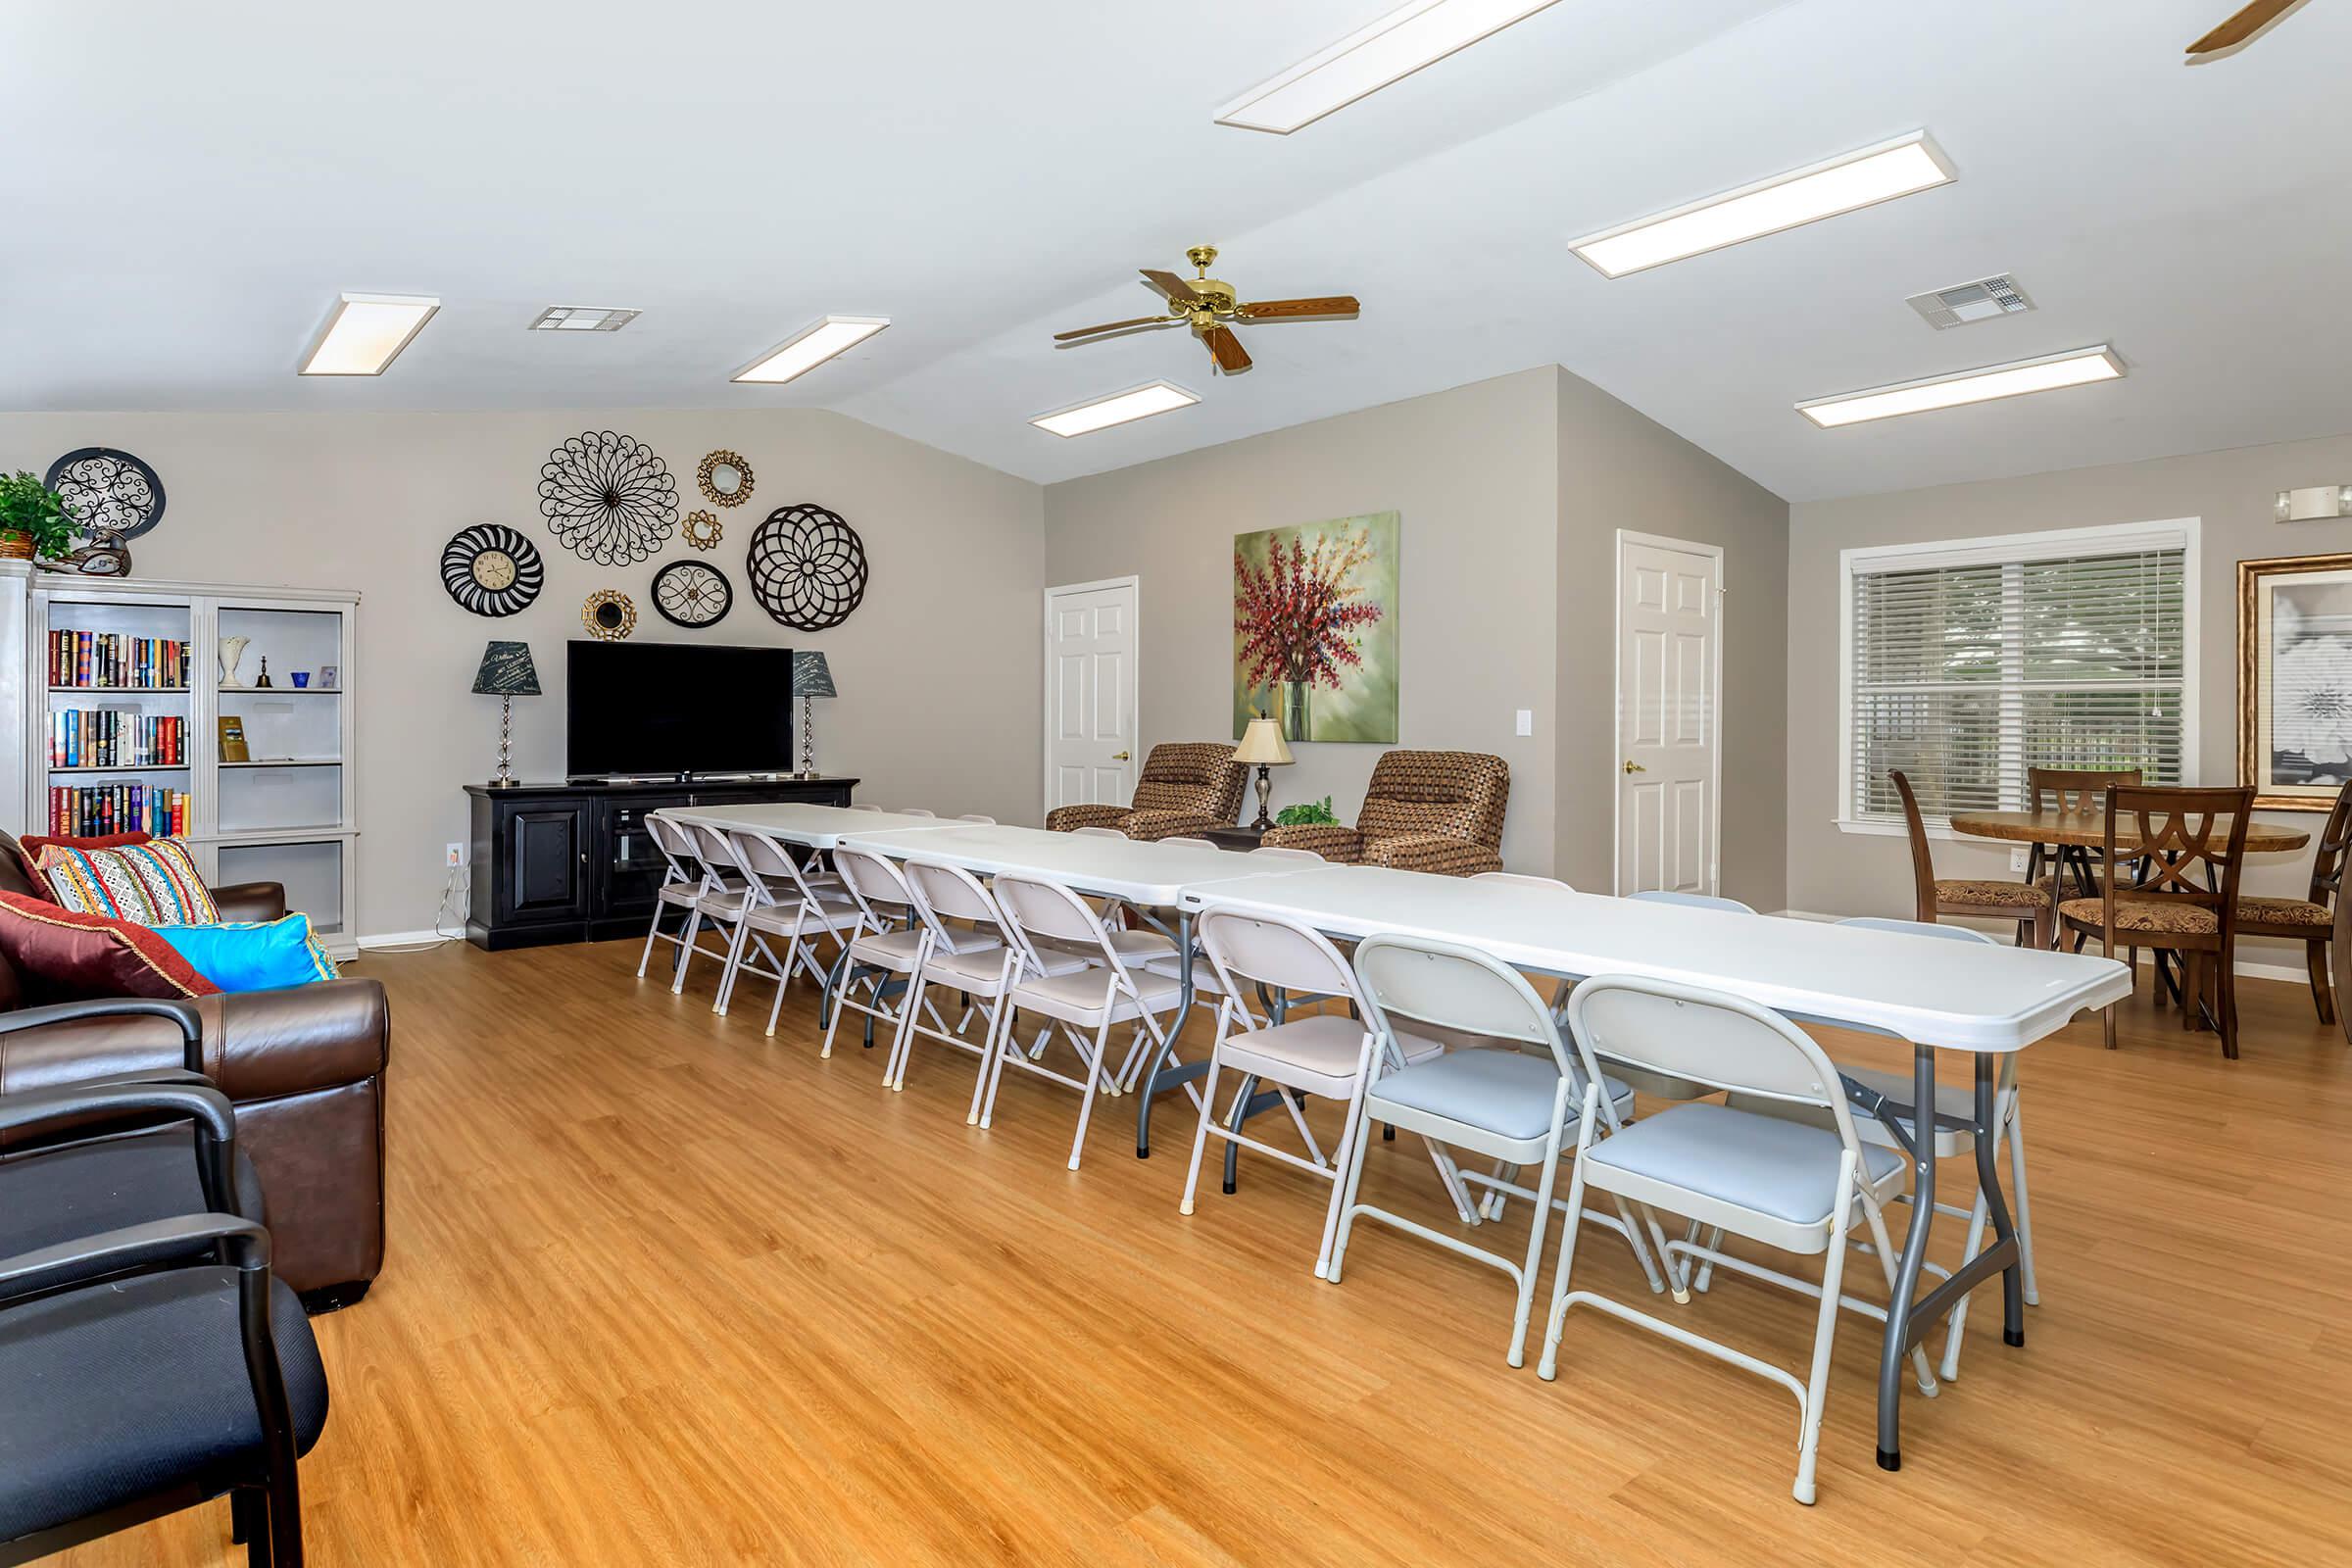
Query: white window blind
(1968, 667)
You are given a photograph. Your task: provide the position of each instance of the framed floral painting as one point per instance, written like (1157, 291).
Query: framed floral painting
(1314, 629)
(2294, 679)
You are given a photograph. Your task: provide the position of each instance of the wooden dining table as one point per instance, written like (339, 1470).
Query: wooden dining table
(2089, 830)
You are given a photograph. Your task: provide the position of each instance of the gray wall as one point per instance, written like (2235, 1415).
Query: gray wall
(938, 671)
(1620, 469)
(1839, 873)
(1471, 471)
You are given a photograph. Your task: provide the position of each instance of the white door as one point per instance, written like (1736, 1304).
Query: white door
(1669, 666)
(1090, 687)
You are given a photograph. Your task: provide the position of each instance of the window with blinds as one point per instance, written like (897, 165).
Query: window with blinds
(1969, 664)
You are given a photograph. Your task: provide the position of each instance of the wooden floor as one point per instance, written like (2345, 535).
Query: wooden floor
(664, 1291)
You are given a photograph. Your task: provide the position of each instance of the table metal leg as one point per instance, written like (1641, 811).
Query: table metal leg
(1155, 1078)
(2004, 1231)
(1915, 1252)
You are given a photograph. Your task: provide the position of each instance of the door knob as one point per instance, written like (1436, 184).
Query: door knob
(1120, 757)
(1632, 766)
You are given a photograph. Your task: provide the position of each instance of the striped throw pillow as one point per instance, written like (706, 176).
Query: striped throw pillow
(147, 884)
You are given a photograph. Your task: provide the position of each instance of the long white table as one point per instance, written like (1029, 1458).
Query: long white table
(815, 827)
(1985, 1000)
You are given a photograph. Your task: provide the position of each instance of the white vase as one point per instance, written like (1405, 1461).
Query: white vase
(233, 654)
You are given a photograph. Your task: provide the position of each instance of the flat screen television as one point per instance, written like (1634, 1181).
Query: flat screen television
(675, 708)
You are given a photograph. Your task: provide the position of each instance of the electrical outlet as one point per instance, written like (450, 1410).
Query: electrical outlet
(457, 854)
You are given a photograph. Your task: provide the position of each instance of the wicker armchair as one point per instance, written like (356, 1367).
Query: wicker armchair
(1185, 786)
(1439, 811)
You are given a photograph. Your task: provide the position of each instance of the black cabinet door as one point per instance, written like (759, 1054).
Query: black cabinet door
(629, 867)
(546, 864)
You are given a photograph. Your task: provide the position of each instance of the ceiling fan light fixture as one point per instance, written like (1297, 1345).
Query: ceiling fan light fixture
(2075, 368)
(1409, 37)
(1101, 414)
(365, 333)
(809, 348)
(1857, 179)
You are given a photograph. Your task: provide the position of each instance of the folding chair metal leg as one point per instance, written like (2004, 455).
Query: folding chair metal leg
(1353, 1128)
(1824, 1334)
(1086, 1102)
(1354, 1179)
(1208, 1099)
(694, 926)
(999, 1016)
(652, 931)
(1548, 1366)
(1535, 1233)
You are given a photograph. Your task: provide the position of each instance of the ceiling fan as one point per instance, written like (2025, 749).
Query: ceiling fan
(2242, 27)
(1206, 304)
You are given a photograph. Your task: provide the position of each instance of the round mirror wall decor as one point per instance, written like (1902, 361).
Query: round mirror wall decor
(492, 571)
(724, 478)
(808, 567)
(704, 530)
(609, 498)
(609, 615)
(693, 595)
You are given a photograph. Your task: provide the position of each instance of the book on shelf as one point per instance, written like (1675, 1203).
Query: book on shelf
(113, 660)
(81, 810)
(116, 737)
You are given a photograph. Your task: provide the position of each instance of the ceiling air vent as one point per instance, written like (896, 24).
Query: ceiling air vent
(582, 319)
(1979, 301)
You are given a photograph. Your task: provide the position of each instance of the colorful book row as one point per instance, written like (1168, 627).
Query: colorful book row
(99, 809)
(113, 737)
(114, 660)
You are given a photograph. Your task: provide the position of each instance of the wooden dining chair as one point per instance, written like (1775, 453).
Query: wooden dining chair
(2311, 918)
(2026, 902)
(2190, 844)
(2070, 789)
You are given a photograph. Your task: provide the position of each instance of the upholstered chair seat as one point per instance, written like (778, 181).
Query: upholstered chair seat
(1437, 812)
(1186, 787)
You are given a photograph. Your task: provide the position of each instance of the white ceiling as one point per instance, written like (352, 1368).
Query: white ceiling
(188, 187)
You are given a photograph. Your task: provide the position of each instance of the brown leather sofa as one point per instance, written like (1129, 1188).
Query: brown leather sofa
(1186, 787)
(1439, 811)
(303, 1067)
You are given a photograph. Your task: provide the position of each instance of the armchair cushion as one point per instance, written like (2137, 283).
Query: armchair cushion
(1328, 839)
(1435, 852)
(155, 883)
(1152, 826)
(250, 956)
(1460, 794)
(61, 955)
(1185, 787)
(1070, 819)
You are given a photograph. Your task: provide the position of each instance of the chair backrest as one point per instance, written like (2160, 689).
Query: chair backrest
(1199, 778)
(943, 892)
(2074, 789)
(1275, 851)
(1273, 950)
(1692, 901)
(1521, 879)
(715, 850)
(1189, 842)
(2327, 861)
(677, 847)
(1923, 862)
(975, 816)
(916, 810)
(873, 883)
(864, 805)
(1041, 916)
(1709, 1036)
(1461, 795)
(1096, 833)
(764, 863)
(1457, 989)
(1918, 928)
(2191, 844)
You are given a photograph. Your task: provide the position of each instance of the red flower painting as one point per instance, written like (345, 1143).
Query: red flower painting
(1299, 619)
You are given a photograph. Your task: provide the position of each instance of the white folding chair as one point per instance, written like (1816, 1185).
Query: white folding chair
(886, 944)
(975, 816)
(1692, 901)
(976, 959)
(1096, 833)
(681, 883)
(1320, 1053)
(1189, 842)
(718, 903)
(732, 909)
(1785, 1184)
(791, 902)
(1275, 851)
(1511, 1104)
(916, 810)
(1045, 916)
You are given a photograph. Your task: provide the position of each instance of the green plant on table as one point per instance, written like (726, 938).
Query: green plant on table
(30, 507)
(1305, 813)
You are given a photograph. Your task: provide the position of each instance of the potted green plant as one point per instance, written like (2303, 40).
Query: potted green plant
(1305, 813)
(33, 519)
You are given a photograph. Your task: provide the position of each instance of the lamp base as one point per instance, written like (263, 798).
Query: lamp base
(806, 775)
(1265, 787)
(505, 784)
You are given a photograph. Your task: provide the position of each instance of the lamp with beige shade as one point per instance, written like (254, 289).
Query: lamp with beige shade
(1263, 747)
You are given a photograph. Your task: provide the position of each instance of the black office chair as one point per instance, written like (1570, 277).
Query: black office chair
(156, 1364)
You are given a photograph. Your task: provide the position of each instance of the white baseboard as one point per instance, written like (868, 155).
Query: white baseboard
(401, 939)
(2248, 968)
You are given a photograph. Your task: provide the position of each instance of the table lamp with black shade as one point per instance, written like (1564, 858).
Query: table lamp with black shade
(507, 673)
(1263, 747)
(811, 679)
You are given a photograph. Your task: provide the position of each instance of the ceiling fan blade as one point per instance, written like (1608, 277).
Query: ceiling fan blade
(2245, 25)
(1174, 287)
(1294, 309)
(1232, 357)
(1115, 326)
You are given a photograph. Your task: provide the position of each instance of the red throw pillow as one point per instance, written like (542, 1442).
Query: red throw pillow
(31, 849)
(64, 956)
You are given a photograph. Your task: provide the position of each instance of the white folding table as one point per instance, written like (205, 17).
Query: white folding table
(1961, 996)
(815, 827)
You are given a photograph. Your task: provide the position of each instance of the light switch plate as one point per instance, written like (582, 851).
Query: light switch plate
(1527, 721)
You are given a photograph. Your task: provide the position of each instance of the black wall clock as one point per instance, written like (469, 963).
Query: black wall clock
(808, 567)
(691, 594)
(111, 492)
(492, 571)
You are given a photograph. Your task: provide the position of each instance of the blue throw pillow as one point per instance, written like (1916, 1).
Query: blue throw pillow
(253, 956)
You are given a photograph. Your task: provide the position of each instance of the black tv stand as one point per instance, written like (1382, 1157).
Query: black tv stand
(572, 861)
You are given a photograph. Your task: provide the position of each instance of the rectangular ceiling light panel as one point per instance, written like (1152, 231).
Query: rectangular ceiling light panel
(366, 332)
(835, 334)
(1858, 179)
(1102, 414)
(1367, 60)
(2076, 368)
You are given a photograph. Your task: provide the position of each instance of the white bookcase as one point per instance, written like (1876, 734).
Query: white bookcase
(290, 813)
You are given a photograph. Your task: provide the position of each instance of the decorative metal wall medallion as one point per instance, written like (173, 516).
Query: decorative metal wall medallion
(725, 478)
(689, 593)
(609, 498)
(492, 571)
(114, 494)
(609, 615)
(703, 529)
(808, 567)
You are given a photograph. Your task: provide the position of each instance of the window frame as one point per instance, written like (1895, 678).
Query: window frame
(2012, 548)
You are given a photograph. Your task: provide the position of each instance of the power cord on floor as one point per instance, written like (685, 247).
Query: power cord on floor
(456, 888)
